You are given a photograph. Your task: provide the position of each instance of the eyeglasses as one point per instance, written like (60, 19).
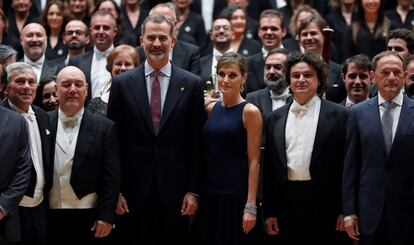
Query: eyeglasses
(218, 27)
(71, 32)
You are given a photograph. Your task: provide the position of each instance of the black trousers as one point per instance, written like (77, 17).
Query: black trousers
(33, 222)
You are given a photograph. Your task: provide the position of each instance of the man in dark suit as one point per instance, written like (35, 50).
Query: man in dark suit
(86, 177)
(378, 178)
(21, 91)
(93, 63)
(15, 164)
(304, 159)
(34, 40)
(271, 33)
(276, 93)
(185, 55)
(161, 154)
(221, 36)
(357, 79)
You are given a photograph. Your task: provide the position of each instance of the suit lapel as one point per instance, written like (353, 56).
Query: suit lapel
(177, 87)
(138, 90)
(44, 132)
(326, 115)
(266, 101)
(374, 118)
(280, 137)
(86, 136)
(406, 117)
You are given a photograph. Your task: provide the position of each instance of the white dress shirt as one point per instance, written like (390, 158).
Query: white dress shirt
(300, 135)
(99, 74)
(207, 7)
(36, 153)
(62, 195)
(36, 65)
(164, 81)
(398, 100)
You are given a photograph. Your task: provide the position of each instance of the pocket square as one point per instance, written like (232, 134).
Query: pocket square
(47, 132)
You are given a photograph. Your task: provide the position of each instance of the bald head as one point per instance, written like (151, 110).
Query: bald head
(33, 40)
(71, 90)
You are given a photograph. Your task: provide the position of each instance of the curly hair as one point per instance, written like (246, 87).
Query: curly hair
(314, 61)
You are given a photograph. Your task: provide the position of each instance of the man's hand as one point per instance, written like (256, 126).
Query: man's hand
(352, 228)
(272, 226)
(190, 204)
(249, 221)
(101, 228)
(122, 206)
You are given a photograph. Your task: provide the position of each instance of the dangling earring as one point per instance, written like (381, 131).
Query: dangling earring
(243, 88)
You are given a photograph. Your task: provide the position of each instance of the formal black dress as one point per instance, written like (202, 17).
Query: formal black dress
(225, 179)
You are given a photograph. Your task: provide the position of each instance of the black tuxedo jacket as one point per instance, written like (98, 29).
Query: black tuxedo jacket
(169, 160)
(325, 166)
(84, 62)
(375, 180)
(206, 62)
(96, 166)
(194, 26)
(261, 99)
(15, 164)
(42, 120)
(185, 55)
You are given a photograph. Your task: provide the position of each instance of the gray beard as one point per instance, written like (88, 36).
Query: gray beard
(276, 86)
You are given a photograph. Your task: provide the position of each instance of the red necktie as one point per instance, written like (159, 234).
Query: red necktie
(155, 101)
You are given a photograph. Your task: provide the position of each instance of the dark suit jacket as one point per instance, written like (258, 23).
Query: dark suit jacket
(45, 136)
(206, 62)
(194, 26)
(185, 56)
(49, 68)
(255, 74)
(172, 157)
(84, 62)
(374, 180)
(261, 99)
(96, 166)
(15, 164)
(336, 90)
(325, 166)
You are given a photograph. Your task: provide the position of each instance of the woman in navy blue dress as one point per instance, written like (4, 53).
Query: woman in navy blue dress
(232, 138)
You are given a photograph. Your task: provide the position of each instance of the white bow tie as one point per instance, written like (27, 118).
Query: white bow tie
(29, 115)
(101, 55)
(69, 121)
(36, 64)
(299, 109)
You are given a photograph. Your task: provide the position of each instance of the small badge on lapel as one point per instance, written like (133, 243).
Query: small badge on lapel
(187, 28)
(182, 89)
(245, 52)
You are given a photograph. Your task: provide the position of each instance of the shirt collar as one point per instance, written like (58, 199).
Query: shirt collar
(166, 70)
(217, 54)
(20, 111)
(311, 103)
(397, 99)
(79, 114)
(38, 62)
(103, 53)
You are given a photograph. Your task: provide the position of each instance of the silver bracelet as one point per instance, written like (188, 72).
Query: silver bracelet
(250, 208)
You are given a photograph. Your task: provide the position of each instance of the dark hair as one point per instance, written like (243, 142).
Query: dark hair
(316, 62)
(277, 51)
(159, 19)
(317, 19)
(271, 13)
(232, 58)
(302, 8)
(62, 8)
(382, 23)
(360, 60)
(384, 54)
(404, 34)
(38, 101)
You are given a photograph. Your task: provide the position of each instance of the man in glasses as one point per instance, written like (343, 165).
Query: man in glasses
(76, 37)
(221, 36)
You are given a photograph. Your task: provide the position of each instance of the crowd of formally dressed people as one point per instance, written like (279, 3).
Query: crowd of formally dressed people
(207, 122)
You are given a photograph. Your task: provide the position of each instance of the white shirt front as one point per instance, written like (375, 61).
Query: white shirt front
(398, 100)
(37, 65)
(37, 157)
(62, 195)
(300, 135)
(99, 74)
